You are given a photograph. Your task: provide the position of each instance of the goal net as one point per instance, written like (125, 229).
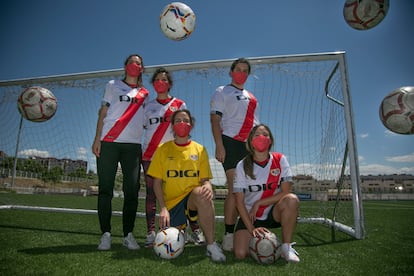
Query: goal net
(304, 99)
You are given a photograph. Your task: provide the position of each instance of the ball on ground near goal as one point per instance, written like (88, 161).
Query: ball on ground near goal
(37, 104)
(177, 21)
(169, 243)
(397, 110)
(365, 14)
(265, 249)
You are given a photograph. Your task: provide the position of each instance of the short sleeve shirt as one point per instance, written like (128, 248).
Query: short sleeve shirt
(125, 115)
(266, 184)
(181, 169)
(238, 110)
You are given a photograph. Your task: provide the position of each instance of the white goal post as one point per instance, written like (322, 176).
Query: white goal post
(304, 99)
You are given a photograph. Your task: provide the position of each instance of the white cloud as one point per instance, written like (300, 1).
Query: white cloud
(402, 158)
(364, 135)
(377, 169)
(219, 176)
(406, 170)
(92, 167)
(332, 171)
(81, 153)
(389, 133)
(318, 171)
(34, 152)
(329, 171)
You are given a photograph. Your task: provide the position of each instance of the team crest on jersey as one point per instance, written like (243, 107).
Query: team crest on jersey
(194, 157)
(173, 108)
(275, 172)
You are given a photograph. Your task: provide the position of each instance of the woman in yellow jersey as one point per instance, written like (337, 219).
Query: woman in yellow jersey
(182, 174)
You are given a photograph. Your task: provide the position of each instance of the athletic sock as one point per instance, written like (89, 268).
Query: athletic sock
(229, 228)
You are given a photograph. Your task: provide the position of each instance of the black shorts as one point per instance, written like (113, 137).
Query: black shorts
(267, 223)
(235, 151)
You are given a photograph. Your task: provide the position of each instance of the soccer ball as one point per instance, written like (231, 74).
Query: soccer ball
(37, 104)
(169, 243)
(397, 110)
(365, 14)
(177, 21)
(265, 249)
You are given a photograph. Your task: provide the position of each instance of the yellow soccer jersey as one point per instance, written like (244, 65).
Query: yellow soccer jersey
(181, 168)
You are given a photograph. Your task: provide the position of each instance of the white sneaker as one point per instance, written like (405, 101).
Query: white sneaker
(130, 242)
(289, 254)
(105, 242)
(227, 242)
(149, 241)
(197, 237)
(215, 253)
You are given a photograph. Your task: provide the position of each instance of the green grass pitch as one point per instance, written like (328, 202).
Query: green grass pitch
(45, 243)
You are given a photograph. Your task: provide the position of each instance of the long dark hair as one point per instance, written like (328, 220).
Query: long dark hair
(139, 80)
(248, 161)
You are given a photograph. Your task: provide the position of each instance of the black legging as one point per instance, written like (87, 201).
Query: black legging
(129, 156)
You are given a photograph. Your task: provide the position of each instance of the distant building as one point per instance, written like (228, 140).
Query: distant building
(68, 166)
(397, 183)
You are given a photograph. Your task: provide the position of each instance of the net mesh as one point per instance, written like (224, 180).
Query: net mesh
(301, 99)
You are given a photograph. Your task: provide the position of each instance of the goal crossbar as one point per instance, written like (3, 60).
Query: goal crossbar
(172, 67)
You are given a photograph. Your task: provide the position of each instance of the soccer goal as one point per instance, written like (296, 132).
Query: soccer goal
(304, 99)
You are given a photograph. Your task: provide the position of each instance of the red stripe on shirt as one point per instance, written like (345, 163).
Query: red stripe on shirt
(161, 129)
(248, 120)
(126, 117)
(272, 179)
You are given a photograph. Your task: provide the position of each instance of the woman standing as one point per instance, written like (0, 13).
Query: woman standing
(233, 113)
(118, 140)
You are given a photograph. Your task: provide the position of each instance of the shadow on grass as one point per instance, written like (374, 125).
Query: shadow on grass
(190, 256)
(322, 235)
(49, 230)
(62, 249)
(193, 254)
(117, 251)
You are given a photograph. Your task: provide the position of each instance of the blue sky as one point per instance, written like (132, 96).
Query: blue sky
(47, 37)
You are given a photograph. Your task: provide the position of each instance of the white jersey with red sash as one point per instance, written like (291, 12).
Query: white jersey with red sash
(238, 110)
(157, 124)
(125, 115)
(266, 184)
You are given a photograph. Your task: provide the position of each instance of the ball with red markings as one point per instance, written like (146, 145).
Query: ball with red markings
(397, 110)
(37, 104)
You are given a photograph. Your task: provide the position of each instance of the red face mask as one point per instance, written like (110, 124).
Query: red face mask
(161, 86)
(261, 143)
(133, 69)
(182, 129)
(239, 77)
